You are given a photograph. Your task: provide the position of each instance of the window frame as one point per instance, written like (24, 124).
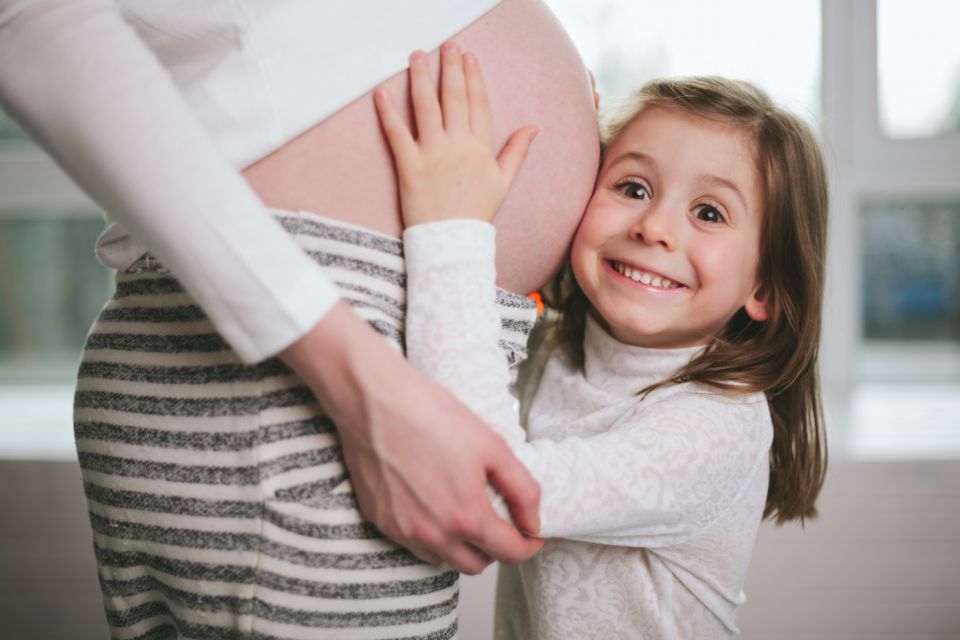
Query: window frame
(864, 164)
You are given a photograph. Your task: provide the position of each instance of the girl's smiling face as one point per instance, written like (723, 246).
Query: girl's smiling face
(668, 247)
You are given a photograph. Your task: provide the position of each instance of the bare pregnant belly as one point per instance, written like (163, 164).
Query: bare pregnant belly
(342, 168)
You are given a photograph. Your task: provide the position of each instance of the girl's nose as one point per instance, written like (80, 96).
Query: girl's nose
(655, 225)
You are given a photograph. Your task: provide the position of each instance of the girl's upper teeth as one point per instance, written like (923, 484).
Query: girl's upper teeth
(646, 278)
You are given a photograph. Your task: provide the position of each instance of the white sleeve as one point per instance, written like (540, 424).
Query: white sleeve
(79, 80)
(649, 480)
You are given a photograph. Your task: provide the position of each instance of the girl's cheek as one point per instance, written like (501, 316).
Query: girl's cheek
(730, 259)
(577, 257)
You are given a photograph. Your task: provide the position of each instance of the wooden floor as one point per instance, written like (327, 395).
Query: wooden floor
(882, 562)
(48, 584)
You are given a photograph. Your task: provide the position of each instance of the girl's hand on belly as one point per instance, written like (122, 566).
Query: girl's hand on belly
(450, 170)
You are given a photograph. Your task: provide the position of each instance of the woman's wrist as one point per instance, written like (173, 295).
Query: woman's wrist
(334, 358)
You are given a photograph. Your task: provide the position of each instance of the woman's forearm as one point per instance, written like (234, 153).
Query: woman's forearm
(78, 79)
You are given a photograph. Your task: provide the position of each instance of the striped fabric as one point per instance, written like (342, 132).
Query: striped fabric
(217, 494)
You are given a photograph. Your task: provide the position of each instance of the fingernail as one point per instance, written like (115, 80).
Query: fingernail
(451, 47)
(469, 58)
(417, 57)
(380, 95)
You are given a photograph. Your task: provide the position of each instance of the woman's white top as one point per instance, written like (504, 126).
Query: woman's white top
(651, 505)
(153, 106)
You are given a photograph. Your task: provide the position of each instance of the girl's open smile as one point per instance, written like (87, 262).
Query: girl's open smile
(643, 276)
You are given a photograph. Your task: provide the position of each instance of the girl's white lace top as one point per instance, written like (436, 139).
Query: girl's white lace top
(651, 505)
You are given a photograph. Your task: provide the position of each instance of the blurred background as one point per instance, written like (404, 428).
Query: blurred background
(880, 81)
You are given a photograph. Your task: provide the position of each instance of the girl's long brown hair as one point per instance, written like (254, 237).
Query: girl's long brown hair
(777, 356)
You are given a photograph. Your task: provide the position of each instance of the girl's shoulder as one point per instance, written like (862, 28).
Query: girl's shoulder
(697, 405)
(700, 393)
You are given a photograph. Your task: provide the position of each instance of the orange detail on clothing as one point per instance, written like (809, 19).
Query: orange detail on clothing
(536, 297)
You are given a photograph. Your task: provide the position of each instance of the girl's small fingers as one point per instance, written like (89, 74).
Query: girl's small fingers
(395, 128)
(426, 108)
(479, 105)
(453, 91)
(514, 152)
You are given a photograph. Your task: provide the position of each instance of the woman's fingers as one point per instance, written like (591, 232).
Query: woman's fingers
(425, 554)
(468, 559)
(501, 541)
(479, 106)
(395, 128)
(514, 153)
(453, 92)
(426, 108)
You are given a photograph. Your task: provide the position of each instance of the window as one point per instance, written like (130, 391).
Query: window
(911, 272)
(907, 400)
(918, 63)
(52, 287)
(9, 130)
(628, 42)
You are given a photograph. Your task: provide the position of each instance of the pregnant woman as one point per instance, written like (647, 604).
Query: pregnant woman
(245, 438)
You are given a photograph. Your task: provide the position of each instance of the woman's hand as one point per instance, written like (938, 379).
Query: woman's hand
(450, 170)
(421, 486)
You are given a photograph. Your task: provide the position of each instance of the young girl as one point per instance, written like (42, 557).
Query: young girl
(678, 402)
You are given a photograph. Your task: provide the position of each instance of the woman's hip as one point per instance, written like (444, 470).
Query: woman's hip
(214, 485)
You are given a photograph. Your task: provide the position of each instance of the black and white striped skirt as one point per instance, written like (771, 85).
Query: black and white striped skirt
(217, 494)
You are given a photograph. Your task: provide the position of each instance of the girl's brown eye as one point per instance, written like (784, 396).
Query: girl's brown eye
(633, 189)
(708, 213)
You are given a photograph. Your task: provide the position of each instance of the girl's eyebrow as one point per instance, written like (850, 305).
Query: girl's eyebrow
(636, 156)
(727, 184)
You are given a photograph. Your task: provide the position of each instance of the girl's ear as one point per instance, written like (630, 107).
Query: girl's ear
(756, 305)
